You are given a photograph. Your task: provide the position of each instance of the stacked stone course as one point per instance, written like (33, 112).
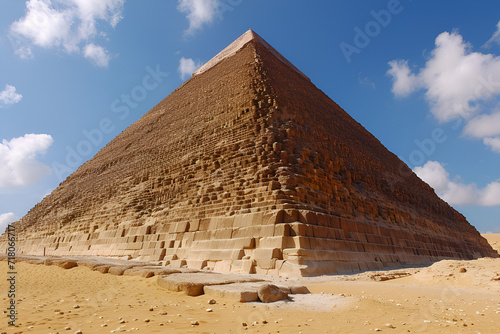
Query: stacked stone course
(248, 167)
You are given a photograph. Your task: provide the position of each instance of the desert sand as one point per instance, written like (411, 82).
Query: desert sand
(446, 297)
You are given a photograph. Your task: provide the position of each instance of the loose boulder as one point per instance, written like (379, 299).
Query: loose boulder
(269, 293)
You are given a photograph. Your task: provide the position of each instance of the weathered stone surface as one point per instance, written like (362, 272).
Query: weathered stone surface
(241, 292)
(118, 270)
(102, 269)
(192, 284)
(257, 165)
(67, 264)
(269, 293)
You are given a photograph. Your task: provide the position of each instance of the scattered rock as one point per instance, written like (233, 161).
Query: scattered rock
(212, 301)
(299, 289)
(118, 270)
(194, 323)
(76, 306)
(102, 269)
(389, 325)
(67, 264)
(463, 270)
(209, 310)
(269, 293)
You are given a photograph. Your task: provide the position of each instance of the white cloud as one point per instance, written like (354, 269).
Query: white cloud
(404, 82)
(493, 143)
(456, 80)
(18, 164)
(63, 25)
(97, 55)
(198, 12)
(6, 219)
(495, 38)
(9, 96)
(457, 192)
(187, 66)
(484, 125)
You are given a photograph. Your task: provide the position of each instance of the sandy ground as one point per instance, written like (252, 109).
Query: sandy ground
(447, 297)
(494, 240)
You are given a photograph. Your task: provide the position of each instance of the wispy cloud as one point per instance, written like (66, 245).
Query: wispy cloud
(97, 55)
(187, 66)
(9, 96)
(18, 164)
(63, 25)
(495, 38)
(455, 192)
(198, 12)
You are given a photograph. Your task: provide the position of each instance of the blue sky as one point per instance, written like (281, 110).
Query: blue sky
(422, 76)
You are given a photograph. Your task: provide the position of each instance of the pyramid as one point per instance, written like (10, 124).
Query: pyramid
(248, 167)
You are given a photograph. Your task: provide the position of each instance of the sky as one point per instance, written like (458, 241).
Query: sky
(422, 76)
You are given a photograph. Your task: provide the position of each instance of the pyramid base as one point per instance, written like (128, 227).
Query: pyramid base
(279, 242)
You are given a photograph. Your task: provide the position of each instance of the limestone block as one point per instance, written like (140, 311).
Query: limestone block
(238, 292)
(297, 242)
(272, 242)
(243, 243)
(248, 266)
(68, 264)
(194, 225)
(118, 270)
(266, 257)
(223, 266)
(272, 217)
(103, 269)
(282, 230)
(196, 264)
(297, 229)
(290, 216)
(243, 221)
(177, 263)
(308, 217)
(223, 234)
(192, 284)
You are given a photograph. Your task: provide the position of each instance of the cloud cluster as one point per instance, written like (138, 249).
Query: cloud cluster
(457, 83)
(456, 80)
(198, 12)
(456, 192)
(9, 96)
(187, 66)
(18, 164)
(67, 25)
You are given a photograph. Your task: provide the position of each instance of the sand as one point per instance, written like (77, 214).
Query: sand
(494, 240)
(441, 298)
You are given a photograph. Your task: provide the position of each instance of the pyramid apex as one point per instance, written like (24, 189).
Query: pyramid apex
(237, 45)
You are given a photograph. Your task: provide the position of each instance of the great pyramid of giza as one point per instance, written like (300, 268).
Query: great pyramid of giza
(249, 167)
